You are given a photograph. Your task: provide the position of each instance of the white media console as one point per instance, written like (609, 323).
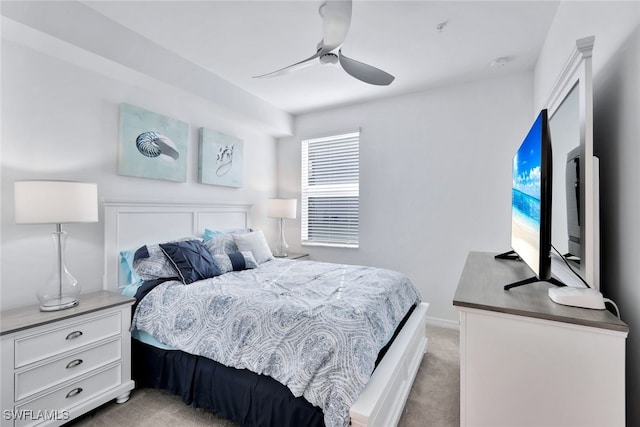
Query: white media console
(526, 361)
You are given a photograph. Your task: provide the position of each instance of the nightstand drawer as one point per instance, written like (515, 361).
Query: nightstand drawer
(71, 395)
(29, 349)
(44, 376)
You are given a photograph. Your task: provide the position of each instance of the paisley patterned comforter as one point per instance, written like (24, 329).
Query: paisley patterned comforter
(315, 327)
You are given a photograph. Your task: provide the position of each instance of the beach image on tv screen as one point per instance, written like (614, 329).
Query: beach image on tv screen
(525, 197)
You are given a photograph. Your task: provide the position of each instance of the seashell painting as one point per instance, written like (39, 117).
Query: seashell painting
(221, 158)
(152, 145)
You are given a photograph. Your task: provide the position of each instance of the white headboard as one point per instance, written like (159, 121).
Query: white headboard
(131, 224)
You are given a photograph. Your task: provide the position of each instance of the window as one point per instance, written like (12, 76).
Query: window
(330, 190)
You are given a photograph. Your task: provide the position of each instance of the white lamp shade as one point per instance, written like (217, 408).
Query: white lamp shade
(282, 208)
(55, 202)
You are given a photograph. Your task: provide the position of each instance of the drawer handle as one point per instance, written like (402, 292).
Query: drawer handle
(74, 334)
(74, 363)
(74, 392)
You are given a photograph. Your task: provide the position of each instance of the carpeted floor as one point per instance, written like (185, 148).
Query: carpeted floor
(434, 399)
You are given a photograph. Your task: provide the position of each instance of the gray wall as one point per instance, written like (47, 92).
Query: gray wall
(435, 179)
(616, 136)
(616, 67)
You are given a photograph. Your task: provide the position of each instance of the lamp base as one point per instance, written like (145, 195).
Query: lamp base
(61, 290)
(58, 303)
(282, 249)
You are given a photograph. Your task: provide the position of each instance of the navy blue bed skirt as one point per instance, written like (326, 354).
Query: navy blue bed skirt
(238, 395)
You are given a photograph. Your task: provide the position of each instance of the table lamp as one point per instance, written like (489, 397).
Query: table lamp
(282, 209)
(56, 202)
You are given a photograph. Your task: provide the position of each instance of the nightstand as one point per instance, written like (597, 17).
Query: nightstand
(59, 365)
(294, 255)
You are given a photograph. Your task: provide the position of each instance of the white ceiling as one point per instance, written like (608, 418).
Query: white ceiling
(240, 39)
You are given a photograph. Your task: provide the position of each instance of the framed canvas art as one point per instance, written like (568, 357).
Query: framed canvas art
(221, 158)
(151, 145)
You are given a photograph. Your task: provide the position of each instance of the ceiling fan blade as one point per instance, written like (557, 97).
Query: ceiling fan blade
(366, 73)
(293, 67)
(335, 23)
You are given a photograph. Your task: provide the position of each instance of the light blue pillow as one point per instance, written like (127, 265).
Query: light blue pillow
(126, 267)
(210, 234)
(130, 290)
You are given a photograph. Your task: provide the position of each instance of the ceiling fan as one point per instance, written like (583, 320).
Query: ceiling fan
(336, 19)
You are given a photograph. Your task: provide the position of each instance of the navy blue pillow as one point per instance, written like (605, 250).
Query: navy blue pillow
(141, 253)
(192, 259)
(237, 261)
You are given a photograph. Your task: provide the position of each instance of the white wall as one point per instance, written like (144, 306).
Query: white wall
(616, 69)
(60, 121)
(435, 179)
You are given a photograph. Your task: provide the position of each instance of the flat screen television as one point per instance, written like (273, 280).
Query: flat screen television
(531, 203)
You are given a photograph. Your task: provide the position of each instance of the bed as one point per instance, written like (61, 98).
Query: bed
(183, 362)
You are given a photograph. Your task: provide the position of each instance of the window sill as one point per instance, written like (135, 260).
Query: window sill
(332, 245)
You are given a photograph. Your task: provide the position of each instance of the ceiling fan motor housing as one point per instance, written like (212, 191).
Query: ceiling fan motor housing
(329, 58)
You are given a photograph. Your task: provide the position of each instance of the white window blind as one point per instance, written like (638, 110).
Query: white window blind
(330, 190)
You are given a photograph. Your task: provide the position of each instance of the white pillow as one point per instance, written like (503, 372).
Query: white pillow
(254, 242)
